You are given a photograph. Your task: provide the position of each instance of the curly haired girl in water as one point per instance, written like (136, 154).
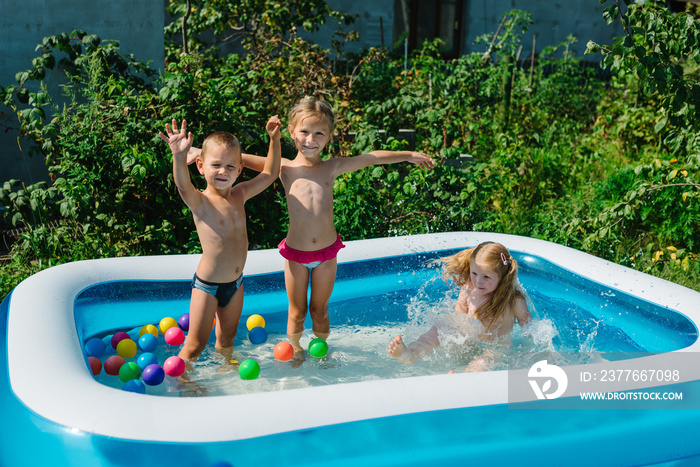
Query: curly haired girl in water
(489, 291)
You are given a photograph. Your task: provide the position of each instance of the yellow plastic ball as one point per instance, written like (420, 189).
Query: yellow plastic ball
(148, 329)
(255, 321)
(166, 323)
(126, 349)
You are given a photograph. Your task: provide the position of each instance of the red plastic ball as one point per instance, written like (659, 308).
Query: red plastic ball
(113, 364)
(174, 336)
(95, 365)
(283, 351)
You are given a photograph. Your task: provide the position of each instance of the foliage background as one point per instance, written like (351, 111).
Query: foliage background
(603, 160)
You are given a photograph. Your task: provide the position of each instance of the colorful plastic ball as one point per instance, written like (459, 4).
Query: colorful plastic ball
(184, 322)
(95, 347)
(148, 329)
(174, 336)
(129, 370)
(257, 335)
(166, 323)
(134, 385)
(318, 348)
(95, 365)
(118, 337)
(255, 321)
(153, 374)
(249, 369)
(283, 351)
(174, 366)
(145, 359)
(148, 342)
(126, 348)
(113, 364)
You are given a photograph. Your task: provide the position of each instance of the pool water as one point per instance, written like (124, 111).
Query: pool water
(375, 300)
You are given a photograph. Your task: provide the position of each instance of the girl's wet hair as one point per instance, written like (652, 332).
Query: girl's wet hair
(220, 137)
(309, 106)
(497, 258)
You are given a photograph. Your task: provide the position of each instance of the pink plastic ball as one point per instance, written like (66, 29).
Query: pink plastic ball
(174, 336)
(113, 364)
(174, 366)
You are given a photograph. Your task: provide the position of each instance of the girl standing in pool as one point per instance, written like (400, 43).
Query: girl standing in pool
(312, 242)
(489, 292)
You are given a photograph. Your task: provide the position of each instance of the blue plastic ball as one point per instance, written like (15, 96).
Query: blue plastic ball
(95, 347)
(257, 335)
(153, 374)
(145, 359)
(135, 385)
(148, 342)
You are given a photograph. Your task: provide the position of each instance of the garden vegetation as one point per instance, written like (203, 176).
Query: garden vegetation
(603, 159)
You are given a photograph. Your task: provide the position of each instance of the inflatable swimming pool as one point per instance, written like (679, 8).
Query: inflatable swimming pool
(56, 413)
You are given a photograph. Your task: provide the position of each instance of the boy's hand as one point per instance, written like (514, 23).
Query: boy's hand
(273, 127)
(423, 161)
(179, 141)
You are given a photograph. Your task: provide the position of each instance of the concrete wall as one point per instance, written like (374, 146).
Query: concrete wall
(553, 20)
(372, 14)
(136, 24)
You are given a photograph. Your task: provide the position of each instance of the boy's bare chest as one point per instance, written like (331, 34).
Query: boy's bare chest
(223, 216)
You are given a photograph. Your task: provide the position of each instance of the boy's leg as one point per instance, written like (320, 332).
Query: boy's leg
(202, 311)
(322, 282)
(296, 280)
(227, 325)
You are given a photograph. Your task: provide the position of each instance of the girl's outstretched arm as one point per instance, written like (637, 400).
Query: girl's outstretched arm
(350, 164)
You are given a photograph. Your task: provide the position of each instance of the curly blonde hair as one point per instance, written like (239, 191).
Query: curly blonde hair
(497, 258)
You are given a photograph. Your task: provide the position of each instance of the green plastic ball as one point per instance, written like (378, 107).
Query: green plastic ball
(129, 371)
(249, 369)
(318, 348)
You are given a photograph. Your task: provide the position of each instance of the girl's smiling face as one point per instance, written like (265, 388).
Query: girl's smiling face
(310, 135)
(484, 278)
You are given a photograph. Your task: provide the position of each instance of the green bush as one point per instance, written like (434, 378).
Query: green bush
(610, 168)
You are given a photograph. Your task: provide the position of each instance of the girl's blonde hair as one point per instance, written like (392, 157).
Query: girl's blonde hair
(497, 258)
(309, 106)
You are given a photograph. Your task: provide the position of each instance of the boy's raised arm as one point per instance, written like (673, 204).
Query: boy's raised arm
(180, 143)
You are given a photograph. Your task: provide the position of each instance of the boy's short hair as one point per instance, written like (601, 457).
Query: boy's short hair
(220, 137)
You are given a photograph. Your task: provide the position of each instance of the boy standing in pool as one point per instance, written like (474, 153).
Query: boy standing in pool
(219, 216)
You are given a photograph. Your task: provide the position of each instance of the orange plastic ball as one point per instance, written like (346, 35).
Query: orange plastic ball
(283, 351)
